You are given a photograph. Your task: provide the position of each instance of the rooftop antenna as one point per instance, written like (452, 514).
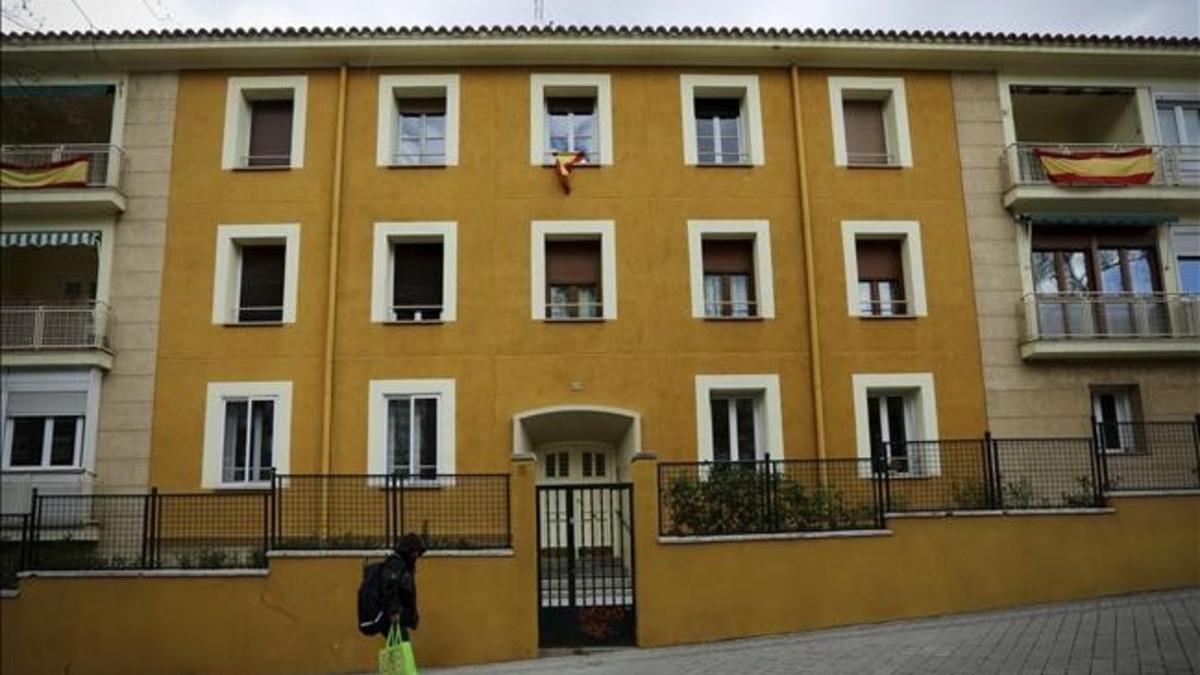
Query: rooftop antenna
(539, 11)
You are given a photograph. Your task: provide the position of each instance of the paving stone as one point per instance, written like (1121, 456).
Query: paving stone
(1143, 634)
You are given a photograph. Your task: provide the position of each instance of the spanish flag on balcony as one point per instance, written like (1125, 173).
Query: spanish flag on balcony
(1098, 167)
(68, 173)
(563, 162)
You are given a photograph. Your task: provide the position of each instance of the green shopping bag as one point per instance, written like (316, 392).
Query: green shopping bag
(396, 657)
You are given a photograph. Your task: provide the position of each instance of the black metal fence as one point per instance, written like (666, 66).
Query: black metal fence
(371, 511)
(991, 474)
(768, 496)
(225, 530)
(1137, 456)
(14, 538)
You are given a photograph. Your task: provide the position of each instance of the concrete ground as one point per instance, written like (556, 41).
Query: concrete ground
(1151, 633)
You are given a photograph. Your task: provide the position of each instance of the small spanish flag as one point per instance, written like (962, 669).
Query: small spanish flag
(69, 173)
(563, 162)
(1099, 167)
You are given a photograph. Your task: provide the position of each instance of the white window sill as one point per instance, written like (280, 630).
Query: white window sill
(442, 165)
(281, 167)
(725, 165)
(61, 470)
(414, 322)
(734, 318)
(260, 486)
(781, 536)
(384, 552)
(873, 166)
(888, 317)
(84, 574)
(587, 319)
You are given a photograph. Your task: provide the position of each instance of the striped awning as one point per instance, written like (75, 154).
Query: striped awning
(1098, 219)
(50, 238)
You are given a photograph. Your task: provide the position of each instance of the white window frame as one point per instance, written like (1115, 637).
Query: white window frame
(47, 443)
(212, 469)
(542, 231)
(87, 382)
(393, 87)
(542, 85)
(227, 271)
(895, 117)
(908, 233)
(1126, 404)
(744, 87)
(239, 92)
(920, 387)
(764, 280)
(380, 391)
(383, 266)
(1184, 242)
(769, 412)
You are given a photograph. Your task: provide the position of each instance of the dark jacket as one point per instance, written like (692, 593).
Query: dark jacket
(400, 583)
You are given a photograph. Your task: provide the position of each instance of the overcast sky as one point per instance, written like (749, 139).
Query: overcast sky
(1125, 17)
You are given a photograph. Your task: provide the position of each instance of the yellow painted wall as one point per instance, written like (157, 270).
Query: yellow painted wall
(944, 343)
(925, 567)
(300, 617)
(502, 360)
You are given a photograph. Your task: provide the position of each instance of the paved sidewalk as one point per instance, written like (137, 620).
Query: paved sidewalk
(1152, 633)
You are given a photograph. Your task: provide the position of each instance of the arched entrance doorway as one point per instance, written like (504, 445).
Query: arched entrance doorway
(584, 521)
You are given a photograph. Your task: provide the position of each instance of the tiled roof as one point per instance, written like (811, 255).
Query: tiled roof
(591, 32)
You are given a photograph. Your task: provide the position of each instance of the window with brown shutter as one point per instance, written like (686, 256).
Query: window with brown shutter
(270, 133)
(880, 277)
(421, 131)
(573, 279)
(729, 288)
(417, 281)
(866, 135)
(260, 292)
(719, 131)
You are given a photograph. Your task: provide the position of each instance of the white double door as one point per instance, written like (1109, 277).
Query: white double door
(581, 518)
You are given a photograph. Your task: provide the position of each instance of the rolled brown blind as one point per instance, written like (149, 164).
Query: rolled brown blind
(417, 279)
(561, 105)
(270, 133)
(879, 260)
(866, 141)
(417, 106)
(573, 263)
(724, 108)
(262, 276)
(728, 256)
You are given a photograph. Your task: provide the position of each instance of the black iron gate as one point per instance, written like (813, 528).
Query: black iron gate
(585, 565)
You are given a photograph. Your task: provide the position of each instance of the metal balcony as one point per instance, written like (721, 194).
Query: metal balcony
(1027, 187)
(99, 188)
(37, 327)
(1110, 325)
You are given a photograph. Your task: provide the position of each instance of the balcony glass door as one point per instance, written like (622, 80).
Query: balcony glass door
(1060, 279)
(1179, 125)
(1128, 274)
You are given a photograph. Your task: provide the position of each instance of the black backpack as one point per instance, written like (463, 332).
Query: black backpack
(379, 594)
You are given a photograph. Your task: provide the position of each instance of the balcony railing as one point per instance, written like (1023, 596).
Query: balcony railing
(25, 326)
(1141, 316)
(104, 162)
(1175, 165)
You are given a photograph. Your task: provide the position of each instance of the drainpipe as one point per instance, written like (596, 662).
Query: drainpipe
(810, 280)
(335, 216)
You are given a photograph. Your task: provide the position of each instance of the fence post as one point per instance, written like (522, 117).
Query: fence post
(268, 501)
(148, 503)
(993, 451)
(989, 487)
(1101, 455)
(1196, 444)
(273, 534)
(34, 521)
